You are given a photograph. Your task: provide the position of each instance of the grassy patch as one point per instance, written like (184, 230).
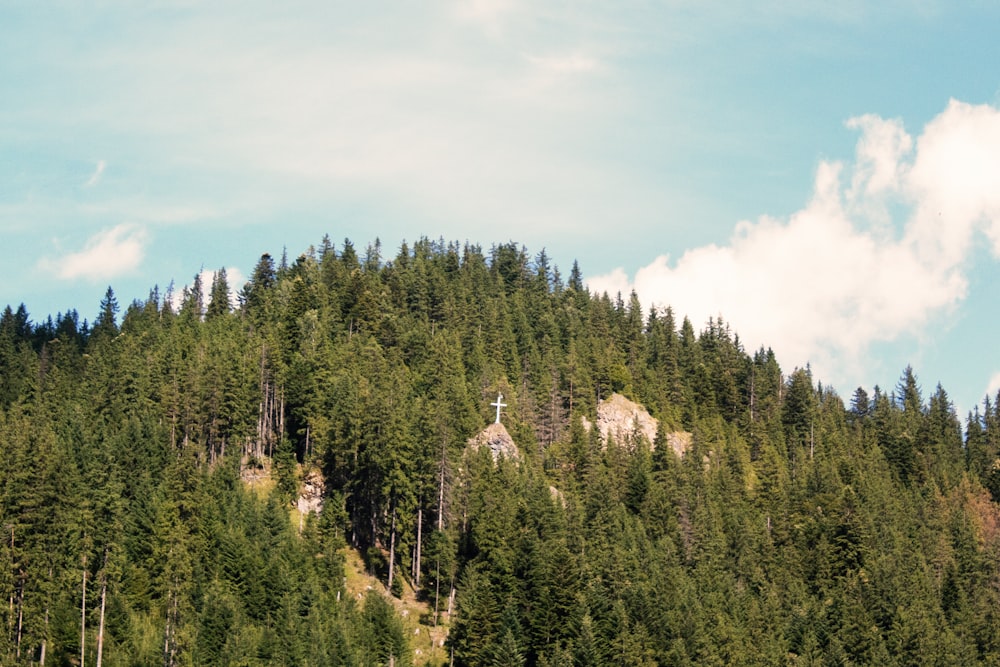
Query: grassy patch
(425, 639)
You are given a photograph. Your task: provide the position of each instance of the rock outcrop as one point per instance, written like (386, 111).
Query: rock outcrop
(498, 440)
(311, 493)
(623, 420)
(679, 441)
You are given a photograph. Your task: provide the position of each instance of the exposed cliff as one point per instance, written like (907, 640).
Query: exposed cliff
(625, 420)
(498, 440)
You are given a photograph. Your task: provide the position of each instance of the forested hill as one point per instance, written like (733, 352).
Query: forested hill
(787, 528)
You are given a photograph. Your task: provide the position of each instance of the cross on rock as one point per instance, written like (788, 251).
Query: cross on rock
(499, 404)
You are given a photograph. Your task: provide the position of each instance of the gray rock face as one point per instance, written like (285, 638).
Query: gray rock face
(499, 442)
(679, 441)
(311, 493)
(623, 420)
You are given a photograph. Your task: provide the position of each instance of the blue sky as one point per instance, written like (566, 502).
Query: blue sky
(826, 176)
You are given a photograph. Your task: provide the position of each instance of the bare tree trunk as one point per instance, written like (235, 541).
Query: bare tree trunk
(420, 526)
(437, 590)
(443, 463)
(264, 406)
(571, 396)
(281, 415)
(83, 614)
(166, 638)
(392, 548)
(552, 413)
(13, 564)
(41, 658)
(100, 630)
(169, 639)
(20, 617)
(104, 597)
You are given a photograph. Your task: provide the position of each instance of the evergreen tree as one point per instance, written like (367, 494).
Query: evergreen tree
(148, 470)
(218, 302)
(106, 325)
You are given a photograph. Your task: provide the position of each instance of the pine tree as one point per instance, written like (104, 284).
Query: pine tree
(106, 326)
(218, 301)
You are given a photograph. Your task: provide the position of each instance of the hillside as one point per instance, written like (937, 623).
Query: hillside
(218, 486)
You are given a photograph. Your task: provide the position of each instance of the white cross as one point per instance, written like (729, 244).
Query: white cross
(499, 404)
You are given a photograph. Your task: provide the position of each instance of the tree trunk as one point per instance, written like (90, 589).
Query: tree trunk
(416, 568)
(104, 597)
(100, 630)
(281, 419)
(173, 619)
(166, 638)
(13, 564)
(262, 410)
(392, 548)
(41, 658)
(443, 463)
(83, 614)
(571, 397)
(437, 590)
(20, 618)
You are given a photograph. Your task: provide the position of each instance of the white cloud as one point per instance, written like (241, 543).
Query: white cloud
(572, 63)
(994, 385)
(108, 253)
(421, 112)
(234, 278)
(489, 14)
(841, 273)
(96, 176)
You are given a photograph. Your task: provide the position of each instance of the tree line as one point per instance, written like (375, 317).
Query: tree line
(796, 528)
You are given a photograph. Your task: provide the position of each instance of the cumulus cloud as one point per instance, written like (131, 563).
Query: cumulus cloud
(108, 253)
(881, 251)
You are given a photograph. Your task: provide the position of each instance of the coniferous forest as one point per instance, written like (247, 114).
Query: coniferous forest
(151, 461)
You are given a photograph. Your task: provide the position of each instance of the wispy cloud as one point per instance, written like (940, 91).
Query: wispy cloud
(109, 253)
(880, 252)
(96, 176)
(420, 113)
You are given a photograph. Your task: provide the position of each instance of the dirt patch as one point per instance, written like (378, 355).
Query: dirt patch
(256, 474)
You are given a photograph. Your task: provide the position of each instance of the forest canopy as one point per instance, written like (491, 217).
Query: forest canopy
(792, 528)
